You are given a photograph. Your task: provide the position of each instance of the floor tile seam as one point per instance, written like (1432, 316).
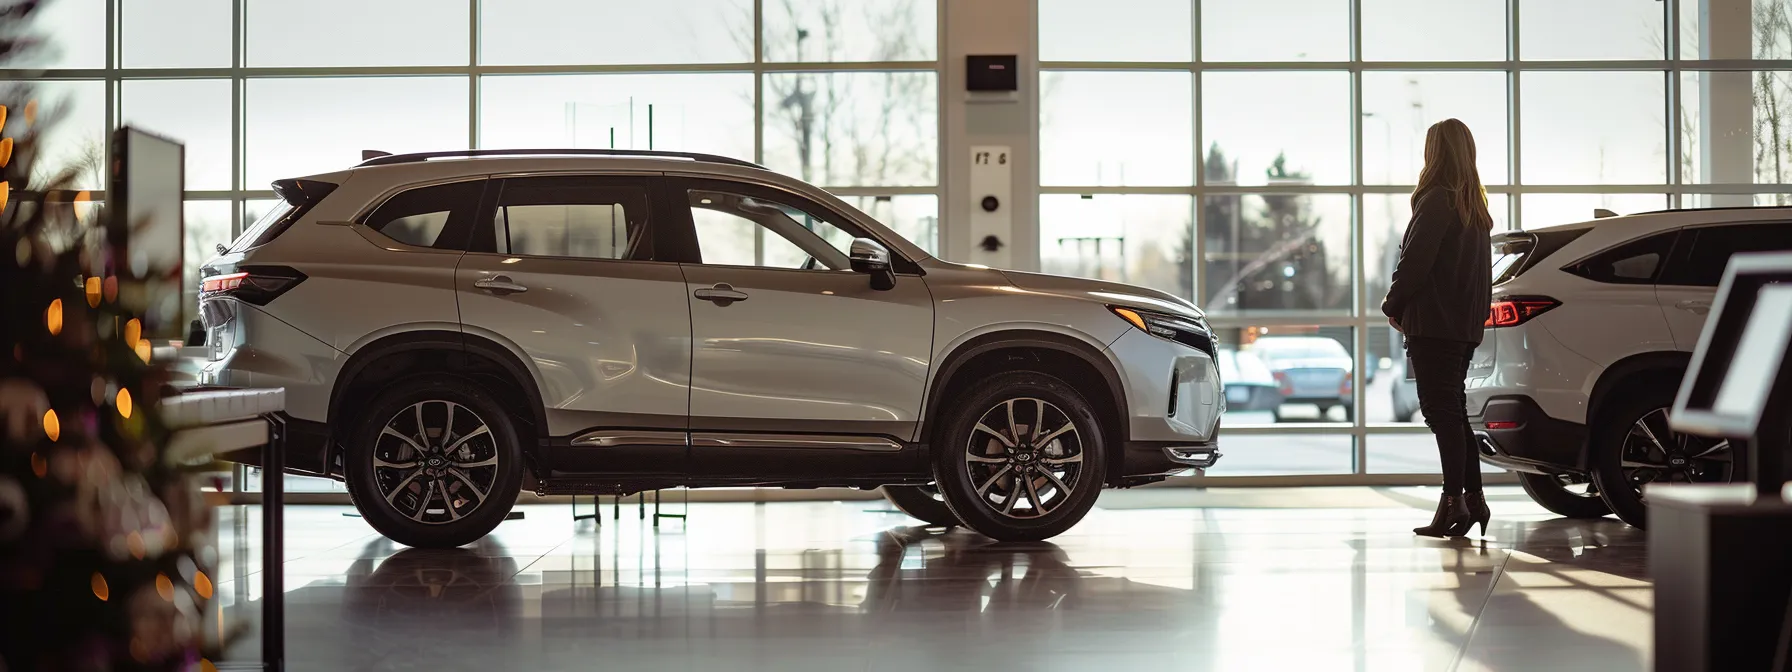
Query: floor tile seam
(1468, 638)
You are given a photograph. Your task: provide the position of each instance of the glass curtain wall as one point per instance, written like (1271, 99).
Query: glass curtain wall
(1258, 158)
(842, 93)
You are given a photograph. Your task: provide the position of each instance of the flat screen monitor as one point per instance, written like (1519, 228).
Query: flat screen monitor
(1740, 371)
(145, 181)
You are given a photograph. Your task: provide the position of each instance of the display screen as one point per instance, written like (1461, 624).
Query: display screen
(146, 190)
(1759, 354)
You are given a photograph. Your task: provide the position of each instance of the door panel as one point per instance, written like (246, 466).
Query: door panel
(1686, 309)
(807, 351)
(610, 343)
(606, 329)
(1689, 284)
(787, 340)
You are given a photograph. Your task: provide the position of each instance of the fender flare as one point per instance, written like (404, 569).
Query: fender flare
(434, 339)
(1024, 338)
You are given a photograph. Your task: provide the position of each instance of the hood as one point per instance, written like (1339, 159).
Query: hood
(1112, 293)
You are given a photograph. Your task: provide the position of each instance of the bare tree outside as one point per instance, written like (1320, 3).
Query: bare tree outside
(853, 128)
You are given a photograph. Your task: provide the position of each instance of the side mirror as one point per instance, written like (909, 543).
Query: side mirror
(872, 258)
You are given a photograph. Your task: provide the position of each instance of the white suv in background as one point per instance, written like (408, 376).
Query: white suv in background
(1591, 327)
(453, 327)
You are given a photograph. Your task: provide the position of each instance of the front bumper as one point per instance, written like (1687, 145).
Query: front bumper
(1174, 399)
(1527, 439)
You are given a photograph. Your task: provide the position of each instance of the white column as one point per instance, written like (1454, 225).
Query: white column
(990, 27)
(1725, 127)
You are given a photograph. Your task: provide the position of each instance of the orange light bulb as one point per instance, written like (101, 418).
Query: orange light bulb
(52, 426)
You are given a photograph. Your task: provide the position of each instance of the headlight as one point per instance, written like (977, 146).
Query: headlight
(1192, 332)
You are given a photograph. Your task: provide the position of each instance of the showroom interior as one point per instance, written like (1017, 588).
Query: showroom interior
(1254, 159)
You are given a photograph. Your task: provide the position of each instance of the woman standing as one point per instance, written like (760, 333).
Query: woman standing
(1438, 299)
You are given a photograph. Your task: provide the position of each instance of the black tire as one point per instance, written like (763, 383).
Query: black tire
(1617, 438)
(1402, 415)
(407, 517)
(921, 502)
(1068, 466)
(1275, 413)
(1551, 493)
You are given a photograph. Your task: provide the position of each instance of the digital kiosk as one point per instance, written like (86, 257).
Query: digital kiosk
(1721, 556)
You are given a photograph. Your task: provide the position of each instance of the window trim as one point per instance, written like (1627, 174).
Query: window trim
(685, 247)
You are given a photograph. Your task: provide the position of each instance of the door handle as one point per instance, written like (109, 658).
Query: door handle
(1700, 306)
(500, 285)
(722, 294)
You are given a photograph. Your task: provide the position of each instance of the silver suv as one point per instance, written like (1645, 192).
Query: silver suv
(453, 327)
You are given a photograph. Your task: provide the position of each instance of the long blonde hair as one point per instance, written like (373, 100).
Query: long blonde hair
(1450, 167)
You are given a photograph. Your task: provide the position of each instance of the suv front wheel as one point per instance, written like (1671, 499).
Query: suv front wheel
(434, 463)
(1020, 457)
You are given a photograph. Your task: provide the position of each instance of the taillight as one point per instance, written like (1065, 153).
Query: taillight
(254, 284)
(1283, 384)
(1344, 386)
(1512, 311)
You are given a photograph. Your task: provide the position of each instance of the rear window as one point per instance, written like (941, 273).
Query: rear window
(1516, 252)
(297, 197)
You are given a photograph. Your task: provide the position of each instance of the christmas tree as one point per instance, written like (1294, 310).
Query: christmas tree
(105, 545)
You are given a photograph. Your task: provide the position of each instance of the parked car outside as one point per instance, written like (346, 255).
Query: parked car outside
(1308, 370)
(1248, 382)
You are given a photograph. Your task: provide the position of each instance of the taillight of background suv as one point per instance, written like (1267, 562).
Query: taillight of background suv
(1511, 311)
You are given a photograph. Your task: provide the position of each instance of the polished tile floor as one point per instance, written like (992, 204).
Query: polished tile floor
(1156, 579)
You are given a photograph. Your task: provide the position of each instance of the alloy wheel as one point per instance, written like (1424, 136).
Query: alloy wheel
(435, 462)
(1025, 458)
(1654, 453)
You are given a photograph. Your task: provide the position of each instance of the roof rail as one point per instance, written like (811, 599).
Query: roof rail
(472, 153)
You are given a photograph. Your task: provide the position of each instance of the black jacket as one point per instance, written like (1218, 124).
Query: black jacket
(1442, 283)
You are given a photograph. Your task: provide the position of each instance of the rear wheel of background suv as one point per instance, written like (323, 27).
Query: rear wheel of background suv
(434, 463)
(1563, 497)
(921, 502)
(1020, 457)
(1633, 447)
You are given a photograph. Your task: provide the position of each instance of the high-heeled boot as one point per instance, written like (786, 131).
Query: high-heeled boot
(1477, 510)
(1451, 519)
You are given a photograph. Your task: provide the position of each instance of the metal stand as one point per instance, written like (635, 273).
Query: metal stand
(597, 511)
(656, 508)
(273, 541)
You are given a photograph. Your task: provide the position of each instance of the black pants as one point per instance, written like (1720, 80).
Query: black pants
(1440, 368)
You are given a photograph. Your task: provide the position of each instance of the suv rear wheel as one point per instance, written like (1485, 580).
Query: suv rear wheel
(1020, 457)
(1634, 447)
(434, 463)
(1564, 496)
(921, 502)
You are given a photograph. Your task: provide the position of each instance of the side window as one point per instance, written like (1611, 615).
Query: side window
(1637, 262)
(741, 228)
(1709, 251)
(437, 216)
(578, 217)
